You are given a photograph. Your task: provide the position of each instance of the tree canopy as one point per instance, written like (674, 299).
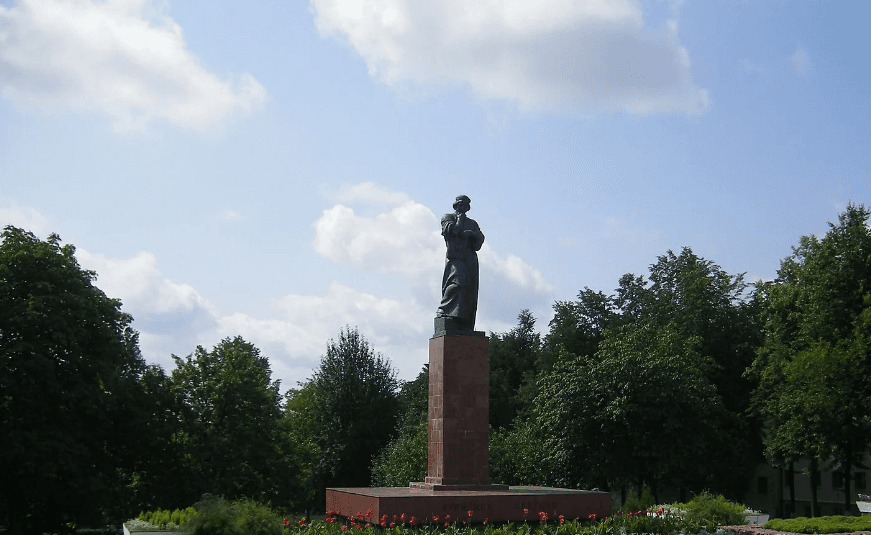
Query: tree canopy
(69, 361)
(354, 396)
(814, 364)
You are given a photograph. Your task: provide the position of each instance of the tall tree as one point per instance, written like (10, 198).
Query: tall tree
(614, 419)
(68, 363)
(355, 409)
(579, 326)
(231, 413)
(814, 367)
(513, 359)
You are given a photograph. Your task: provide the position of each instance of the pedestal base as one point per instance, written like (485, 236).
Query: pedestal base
(491, 505)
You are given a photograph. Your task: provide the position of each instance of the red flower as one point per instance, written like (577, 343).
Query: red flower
(593, 516)
(413, 520)
(393, 524)
(286, 522)
(435, 519)
(543, 517)
(329, 513)
(562, 519)
(368, 525)
(470, 513)
(302, 521)
(525, 512)
(485, 521)
(329, 520)
(402, 517)
(344, 528)
(369, 512)
(446, 524)
(447, 517)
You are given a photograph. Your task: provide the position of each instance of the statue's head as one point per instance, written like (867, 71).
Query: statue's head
(465, 201)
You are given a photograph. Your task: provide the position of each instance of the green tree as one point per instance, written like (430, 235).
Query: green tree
(231, 413)
(518, 455)
(513, 360)
(152, 481)
(299, 422)
(355, 410)
(615, 419)
(404, 459)
(814, 366)
(68, 364)
(579, 326)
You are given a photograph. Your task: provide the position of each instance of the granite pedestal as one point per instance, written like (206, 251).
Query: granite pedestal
(458, 478)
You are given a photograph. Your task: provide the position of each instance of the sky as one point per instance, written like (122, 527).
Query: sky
(278, 170)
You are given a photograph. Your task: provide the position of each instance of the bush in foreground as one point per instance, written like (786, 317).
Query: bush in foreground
(823, 524)
(217, 516)
(715, 509)
(705, 513)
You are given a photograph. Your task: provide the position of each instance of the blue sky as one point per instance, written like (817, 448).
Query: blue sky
(277, 170)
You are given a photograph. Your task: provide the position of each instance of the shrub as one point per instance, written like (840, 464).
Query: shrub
(217, 516)
(635, 502)
(161, 519)
(823, 524)
(214, 516)
(715, 509)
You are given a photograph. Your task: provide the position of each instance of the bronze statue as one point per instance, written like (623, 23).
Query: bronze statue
(463, 239)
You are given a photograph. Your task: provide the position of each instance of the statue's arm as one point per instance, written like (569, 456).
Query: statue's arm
(475, 237)
(449, 224)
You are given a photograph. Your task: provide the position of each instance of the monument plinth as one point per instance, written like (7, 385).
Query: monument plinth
(458, 475)
(459, 405)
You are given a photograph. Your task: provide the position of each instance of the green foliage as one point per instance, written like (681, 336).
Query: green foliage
(299, 423)
(638, 501)
(217, 516)
(513, 358)
(354, 410)
(813, 368)
(403, 460)
(823, 524)
(614, 419)
(715, 509)
(161, 518)
(69, 371)
(231, 423)
(518, 455)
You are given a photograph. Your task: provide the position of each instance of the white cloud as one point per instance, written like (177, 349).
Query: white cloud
(107, 56)
(140, 285)
(594, 55)
(801, 62)
(304, 323)
(25, 218)
(404, 240)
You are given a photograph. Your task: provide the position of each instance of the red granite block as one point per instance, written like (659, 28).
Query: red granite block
(505, 504)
